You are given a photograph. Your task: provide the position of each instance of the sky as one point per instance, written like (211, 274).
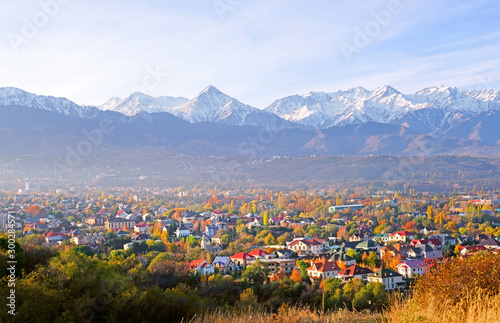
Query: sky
(257, 51)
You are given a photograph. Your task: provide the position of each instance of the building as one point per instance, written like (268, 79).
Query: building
(89, 238)
(202, 266)
(323, 269)
(182, 232)
(205, 244)
(142, 227)
(119, 223)
(241, 259)
(277, 265)
(425, 251)
(401, 236)
(412, 268)
(224, 264)
(307, 246)
(391, 279)
(354, 271)
(353, 207)
(341, 255)
(260, 254)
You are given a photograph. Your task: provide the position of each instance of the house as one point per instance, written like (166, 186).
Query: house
(396, 250)
(434, 242)
(412, 268)
(425, 251)
(182, 232)
(202, 266)
(275, 220)
(216, 239)
(260, 254)
(341, 255)
(224, 264)
(88, 239)
(142, 227)
(285, 253)
(356, 237)
(205, 244)
(391, 279)
(241, 258)
(354, 271)
(490, 243)
(211, 230)
(401, 236)
(138, 237)
(384, 237)
(306, 246)
(96, 220)
(55, 239)
(121, 233)
(276, 265)
(323, 269)
(367, 245)
(471, 249)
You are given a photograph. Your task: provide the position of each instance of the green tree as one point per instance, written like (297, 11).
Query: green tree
(256, 273)
(269, 240)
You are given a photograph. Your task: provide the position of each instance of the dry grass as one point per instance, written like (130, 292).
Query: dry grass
(474, 308)
(292, 315)
(477, 308)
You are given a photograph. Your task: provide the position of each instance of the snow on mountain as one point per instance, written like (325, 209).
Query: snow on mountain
(140, 102)
(435, 105)
(211, 105)
(431, 110)
(15, 96)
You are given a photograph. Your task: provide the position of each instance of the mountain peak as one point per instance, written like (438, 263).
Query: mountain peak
(211, 89)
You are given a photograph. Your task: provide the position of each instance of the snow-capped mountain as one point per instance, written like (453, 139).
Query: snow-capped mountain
(139, 102)
(434, 106)
(433, 110)
(18, 97)
(211, 105)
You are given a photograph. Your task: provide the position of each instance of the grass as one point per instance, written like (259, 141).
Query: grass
(292, 315)
(476, 308)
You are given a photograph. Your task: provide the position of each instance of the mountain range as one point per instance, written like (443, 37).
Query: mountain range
(435, 120)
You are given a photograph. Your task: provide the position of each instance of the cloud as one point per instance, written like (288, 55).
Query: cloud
(257, 52)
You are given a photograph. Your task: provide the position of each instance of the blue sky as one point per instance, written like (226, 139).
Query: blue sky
(254, 50)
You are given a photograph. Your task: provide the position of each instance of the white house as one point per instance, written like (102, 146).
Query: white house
(182, 232)
(412, 268)
(306, 246)
(202, 266)
(323, 269)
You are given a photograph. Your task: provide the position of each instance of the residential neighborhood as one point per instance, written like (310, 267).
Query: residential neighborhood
(261, 236)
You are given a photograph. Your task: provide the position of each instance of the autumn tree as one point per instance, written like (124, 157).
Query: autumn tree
(296, 276)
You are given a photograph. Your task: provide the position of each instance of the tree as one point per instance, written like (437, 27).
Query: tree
(353, 253)
(192, 241)
(342, 233)
(451, 226)
(265, 218)
(247, 300)
(430, 212)
(296, 276)
(411, 226)
(303, 265)
(269, 240)
(256, 273)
